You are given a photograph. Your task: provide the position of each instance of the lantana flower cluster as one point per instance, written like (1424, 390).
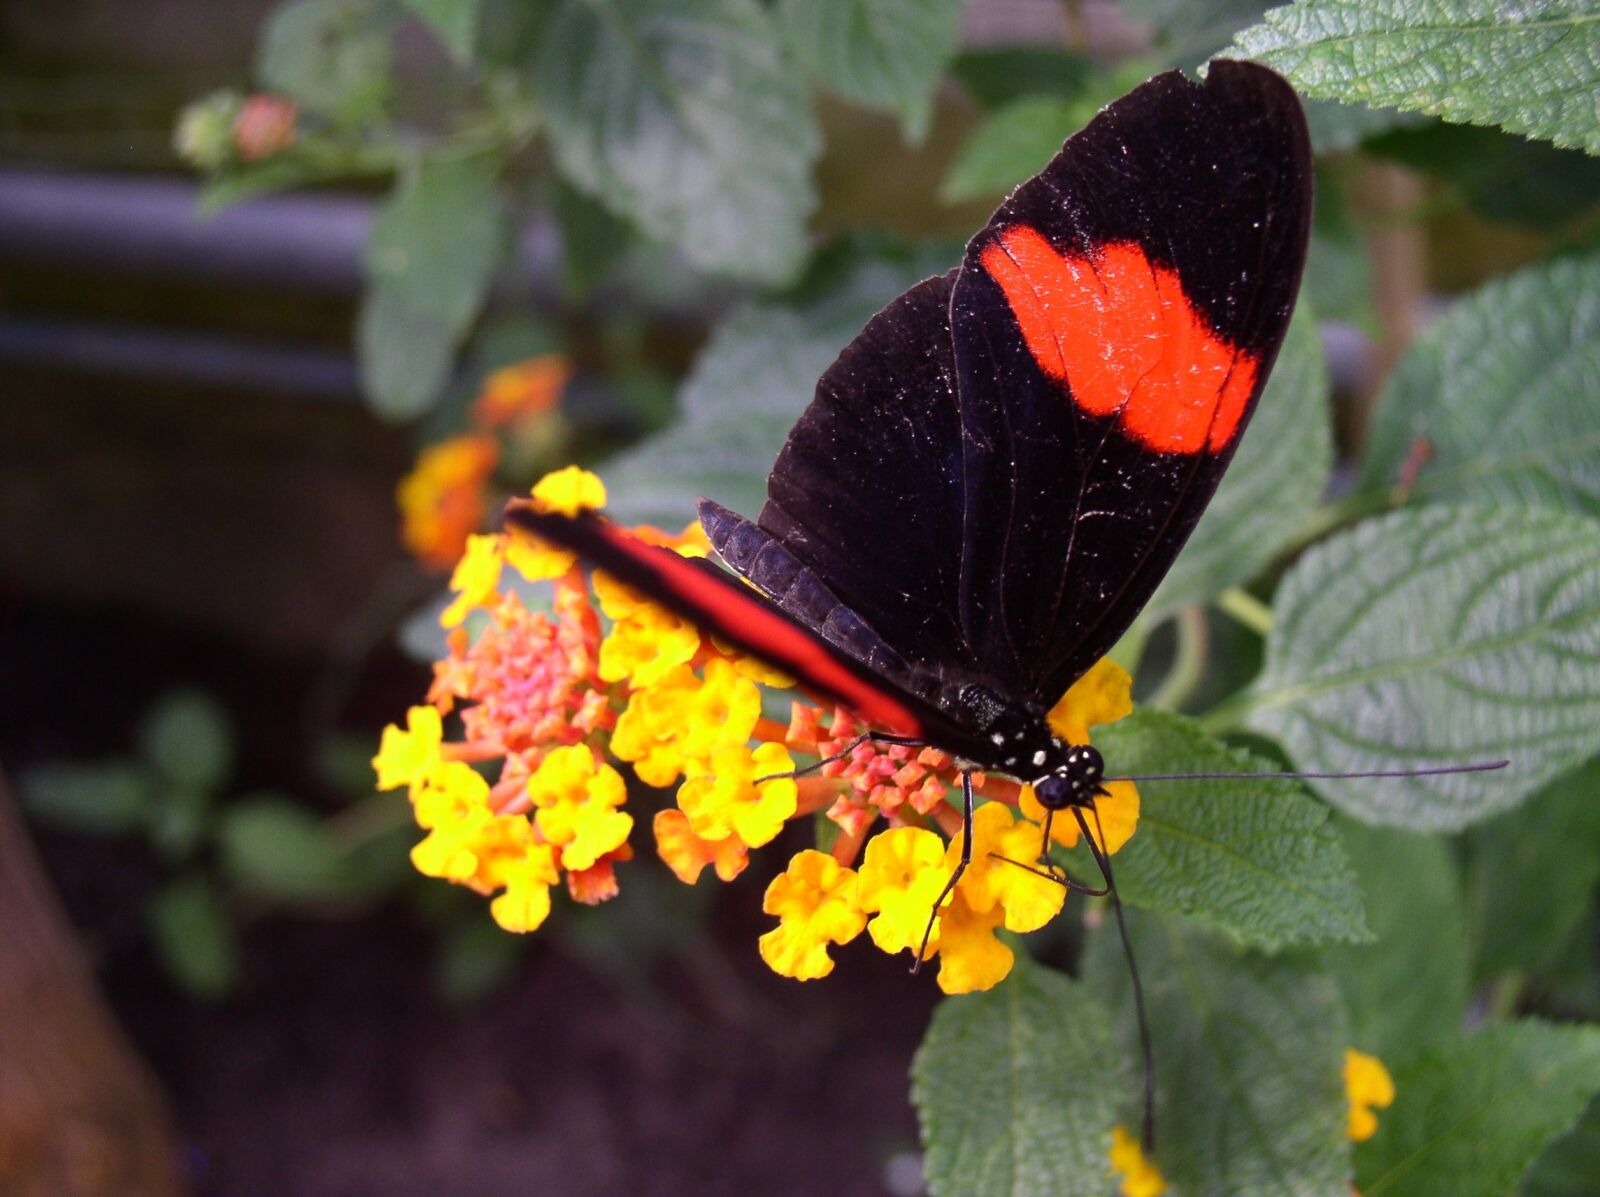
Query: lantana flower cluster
(552, 706)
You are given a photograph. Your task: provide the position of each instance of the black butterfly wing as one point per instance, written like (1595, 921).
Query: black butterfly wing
(997, 472)
(1114, 325)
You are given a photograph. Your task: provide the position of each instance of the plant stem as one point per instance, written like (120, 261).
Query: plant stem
(1189, 664)
(1245, 608)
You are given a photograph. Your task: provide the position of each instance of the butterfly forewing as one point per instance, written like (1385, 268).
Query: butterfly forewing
(1113, 325)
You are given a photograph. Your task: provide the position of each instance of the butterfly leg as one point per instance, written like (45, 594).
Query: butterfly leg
(961, 867)
(1051, 871)
(1104, 862)
(864, 737)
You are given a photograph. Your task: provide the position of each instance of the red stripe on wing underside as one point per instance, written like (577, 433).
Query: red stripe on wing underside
(726, 607)
(1121, 332)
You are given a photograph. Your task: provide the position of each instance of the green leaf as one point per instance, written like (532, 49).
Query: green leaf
(1505, 389)
(1530, 68)
(1569, 1166)
(110, 798)
(1410, 987)
(1531, 874)
(1503, 177)
(1275, 483)
(1009, 1089)
(1012, 143)
(749, 385)
(455, 22)
(1438, 636)
(683, 117)
(332, 56)
(188, 737)
(1256, 859)
(1249, 1056)
(882, 53)
(189, 926)
(277, 848)
(996, 75)
(435, 247)
(1469, 1116)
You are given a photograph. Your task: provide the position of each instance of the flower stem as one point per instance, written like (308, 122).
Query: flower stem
(1245, 608)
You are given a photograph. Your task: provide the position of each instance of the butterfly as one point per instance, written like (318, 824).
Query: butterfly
(995, 475)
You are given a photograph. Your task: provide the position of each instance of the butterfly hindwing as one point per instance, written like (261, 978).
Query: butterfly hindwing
(1113, 326)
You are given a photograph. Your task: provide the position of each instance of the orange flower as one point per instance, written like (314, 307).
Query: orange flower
(527, 388)
(444, 498)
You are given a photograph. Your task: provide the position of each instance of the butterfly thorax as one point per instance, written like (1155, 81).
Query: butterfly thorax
(1016, 740)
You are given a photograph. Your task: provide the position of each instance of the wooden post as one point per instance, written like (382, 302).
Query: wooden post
(80, 1114)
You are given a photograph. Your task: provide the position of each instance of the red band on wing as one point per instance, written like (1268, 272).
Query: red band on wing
(726, 607)
(1120, 332)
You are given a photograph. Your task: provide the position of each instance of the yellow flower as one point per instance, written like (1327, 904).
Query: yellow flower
(448, 793)
(537, 560)
(526, 902)
(1102, 695)
(569, 491)
(577, 802)
(901, 877)
(970, 956)
(1368, 1084)
(727, 801)
(1140, 1177)
(646, 642)
(1118, 816)
(991, 879)
(814, 899)
(687, 854)
(405, 757)
(674, 726)
(475, 578)
(473, 850)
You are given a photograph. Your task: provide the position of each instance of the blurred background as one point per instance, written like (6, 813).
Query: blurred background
(255, 259)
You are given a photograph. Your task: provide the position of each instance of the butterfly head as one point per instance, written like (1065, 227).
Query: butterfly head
(1074, 782)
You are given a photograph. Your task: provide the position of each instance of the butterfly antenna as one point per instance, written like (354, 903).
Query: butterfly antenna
(1434, 771)
(1148, 1129)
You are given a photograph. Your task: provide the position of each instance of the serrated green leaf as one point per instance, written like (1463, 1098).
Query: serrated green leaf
(405, 354)
(330, 55)
(277, 848)
(1531, 874)
(191, 931)
(1006, 1086)
(1256, 859)
(881, 53)
(1249, 1056)
(1505, 390)
(455, 22)
(1274, 484)
(682, 116)
(189, 738)
(1410, 987)
(110, 798)
(1013, 143)
(1569, 1166)
(1531, 68)
(1438, 636)
(748, 387)
(1469, 1116)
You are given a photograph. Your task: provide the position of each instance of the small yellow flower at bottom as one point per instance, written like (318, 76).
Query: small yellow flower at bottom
(526, 902)
(902, 875)
(992, 878)
(577, 799)
(971, 957)
(815, 902)
(1140, 1177)
(1368, 1084)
